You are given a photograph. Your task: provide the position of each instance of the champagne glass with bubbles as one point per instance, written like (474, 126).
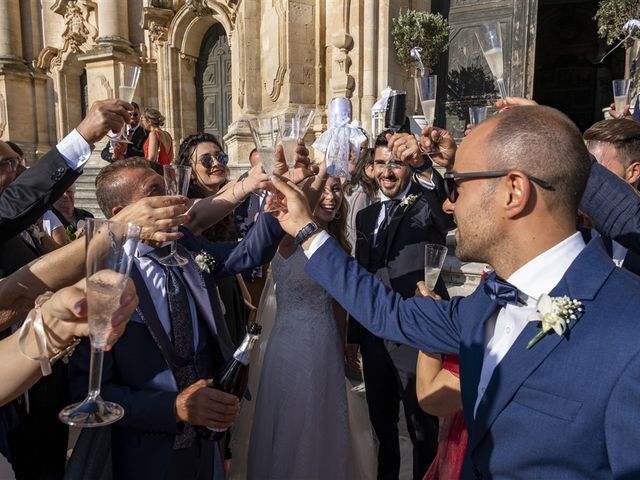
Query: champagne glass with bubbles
(620, 94)
(110, 248)
(490, 40)
(427, 87)
(434, 256)
(129, 76)
(264, 131)
(176, 182)
(291, 127)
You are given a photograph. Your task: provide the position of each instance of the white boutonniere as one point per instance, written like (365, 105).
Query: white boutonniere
(554, 313)
(408, 201)
(205, 261)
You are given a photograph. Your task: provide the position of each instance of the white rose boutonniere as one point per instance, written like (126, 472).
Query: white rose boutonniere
(408, 201)
(205, 261)
(554, 313)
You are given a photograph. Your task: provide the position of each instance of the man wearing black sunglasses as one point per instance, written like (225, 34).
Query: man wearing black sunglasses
(546, 392)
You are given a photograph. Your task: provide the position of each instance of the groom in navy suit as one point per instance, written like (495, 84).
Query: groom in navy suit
(566, 406)
(176, 340)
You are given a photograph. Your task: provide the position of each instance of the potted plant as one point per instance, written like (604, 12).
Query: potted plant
(425, 30)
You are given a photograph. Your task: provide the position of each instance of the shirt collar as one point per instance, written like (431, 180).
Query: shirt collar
(145, 248)
(384, 198)
(544, 272)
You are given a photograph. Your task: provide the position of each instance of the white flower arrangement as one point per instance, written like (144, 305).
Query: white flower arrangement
(408, 201)
(205, 261)
(554, 313)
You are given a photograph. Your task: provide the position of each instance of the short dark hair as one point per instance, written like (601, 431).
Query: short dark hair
(381, 139)
(111, 191)
(135, 105)
(622, 133)
(543, 142)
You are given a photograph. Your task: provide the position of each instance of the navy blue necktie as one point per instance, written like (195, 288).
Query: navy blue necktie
(500, 291)
(390, 207)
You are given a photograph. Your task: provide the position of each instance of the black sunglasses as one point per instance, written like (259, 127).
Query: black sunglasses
(207, 159)
(451, 188)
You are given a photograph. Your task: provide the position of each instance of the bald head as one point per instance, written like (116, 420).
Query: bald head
(542, 142)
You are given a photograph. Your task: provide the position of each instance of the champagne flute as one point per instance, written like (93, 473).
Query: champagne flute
(490, 40)
(477, 115)
(427, 87)
(176, 182)
(129, 75)
(264, 131)
(291, 127)
(620, 94)
(110, 247)
(434, 256)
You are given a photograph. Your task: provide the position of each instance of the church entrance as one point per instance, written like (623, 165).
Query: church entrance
(568, 75)
(213, 83)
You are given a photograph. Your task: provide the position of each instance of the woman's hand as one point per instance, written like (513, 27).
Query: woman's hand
(65, 315)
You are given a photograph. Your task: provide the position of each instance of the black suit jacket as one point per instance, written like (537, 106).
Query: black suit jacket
(410, 229)
(134, 149)
(32, 193)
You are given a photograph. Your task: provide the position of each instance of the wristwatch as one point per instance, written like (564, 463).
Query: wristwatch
(306, 231)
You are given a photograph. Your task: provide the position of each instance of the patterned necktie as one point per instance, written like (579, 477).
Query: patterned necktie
(500, 291)
(181, 337)
(390, 207)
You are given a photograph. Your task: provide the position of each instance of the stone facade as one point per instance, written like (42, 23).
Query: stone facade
(59, 56)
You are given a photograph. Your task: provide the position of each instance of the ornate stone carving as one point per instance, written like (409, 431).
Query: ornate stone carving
(280, 37)
(77, 35)
(102, 88)
(199, 7)
(158, 33)
(3, 114)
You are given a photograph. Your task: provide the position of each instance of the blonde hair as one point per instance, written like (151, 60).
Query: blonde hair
(155, 118)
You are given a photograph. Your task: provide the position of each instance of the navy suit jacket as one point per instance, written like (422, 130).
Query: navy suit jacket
(567, 408)
(613, 205)
(134, 149)
(137, 375)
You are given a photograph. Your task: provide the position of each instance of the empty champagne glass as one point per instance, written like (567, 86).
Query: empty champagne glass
(434, 256)
(490, 40)
(129, 76)
(477, 115)
(621, 94)
(176, 182)
(110, 247)
(427, 87)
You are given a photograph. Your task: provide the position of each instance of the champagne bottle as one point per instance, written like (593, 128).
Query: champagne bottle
(234, 376)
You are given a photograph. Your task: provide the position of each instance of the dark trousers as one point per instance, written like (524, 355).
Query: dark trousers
(194, 462)
(38, 445)
(384, 390)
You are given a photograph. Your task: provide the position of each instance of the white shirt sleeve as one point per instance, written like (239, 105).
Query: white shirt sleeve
(75, 150)
(316, 243)
(428, 184)
(50, 222)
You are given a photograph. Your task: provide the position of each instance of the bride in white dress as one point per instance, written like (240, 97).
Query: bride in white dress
(304, 422)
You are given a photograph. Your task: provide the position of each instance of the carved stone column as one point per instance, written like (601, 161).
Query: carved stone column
(341, 82)
(113, 28)
(10, 33)
(370, 62)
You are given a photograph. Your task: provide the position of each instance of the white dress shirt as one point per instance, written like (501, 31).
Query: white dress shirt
(155, 280)
(536, 277)
(619, 253)
(75, 150)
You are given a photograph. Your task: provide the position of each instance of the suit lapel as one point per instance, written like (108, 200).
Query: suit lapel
(581, 282)
(364, 234)
(147, 312)
(472, 351)
(400, 213)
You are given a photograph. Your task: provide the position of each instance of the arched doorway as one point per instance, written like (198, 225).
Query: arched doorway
(213, 83)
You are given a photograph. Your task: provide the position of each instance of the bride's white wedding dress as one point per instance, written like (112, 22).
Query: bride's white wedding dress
(304, 422)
